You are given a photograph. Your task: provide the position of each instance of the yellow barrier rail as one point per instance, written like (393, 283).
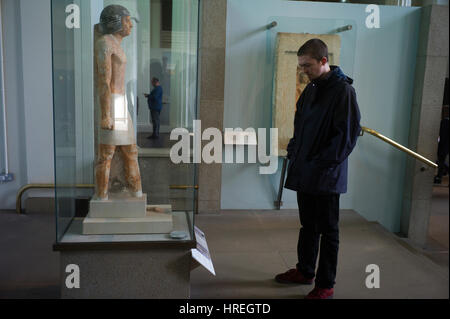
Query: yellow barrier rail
(23, 189)
(399, 146)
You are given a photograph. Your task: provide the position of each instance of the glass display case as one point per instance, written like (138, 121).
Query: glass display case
(124, 77)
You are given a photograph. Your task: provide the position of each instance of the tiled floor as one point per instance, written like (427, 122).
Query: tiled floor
(248, 248)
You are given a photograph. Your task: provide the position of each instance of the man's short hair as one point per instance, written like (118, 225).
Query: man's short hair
(155, 79)
(315, 48)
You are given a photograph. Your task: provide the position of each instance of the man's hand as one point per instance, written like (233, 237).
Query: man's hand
(146, 95)
(290, 148)
(107, 123)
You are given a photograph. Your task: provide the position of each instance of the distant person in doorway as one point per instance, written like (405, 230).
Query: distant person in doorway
(154, 100)
(326, 128)
(442, 150)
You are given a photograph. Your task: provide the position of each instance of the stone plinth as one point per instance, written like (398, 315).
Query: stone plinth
(121, 214)
(118, 206)
(122, 273)
(151, 223)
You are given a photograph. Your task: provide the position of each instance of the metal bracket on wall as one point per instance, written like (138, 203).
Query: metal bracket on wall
(342, 29)
(4, 178)
(271, 25)
(278, 204)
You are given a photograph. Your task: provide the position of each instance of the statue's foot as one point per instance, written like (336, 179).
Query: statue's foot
(137, 194)
(96, 197)
(155, 210)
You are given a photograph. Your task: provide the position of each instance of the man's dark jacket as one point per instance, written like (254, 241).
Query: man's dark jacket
(155, 99)
(326, 128)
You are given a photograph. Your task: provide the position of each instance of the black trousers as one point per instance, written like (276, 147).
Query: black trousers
(319, 218)
(155, 121)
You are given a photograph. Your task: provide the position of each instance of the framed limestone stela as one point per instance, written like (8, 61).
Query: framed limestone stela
(289, 81)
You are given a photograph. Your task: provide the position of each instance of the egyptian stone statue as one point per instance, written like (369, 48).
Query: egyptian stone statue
(116, 130)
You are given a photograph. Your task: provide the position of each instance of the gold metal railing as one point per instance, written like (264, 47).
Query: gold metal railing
(364, 129)
(399, 146)
(23, 189)
(183, 187)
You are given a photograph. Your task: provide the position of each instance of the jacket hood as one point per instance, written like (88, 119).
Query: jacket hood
(335, 74)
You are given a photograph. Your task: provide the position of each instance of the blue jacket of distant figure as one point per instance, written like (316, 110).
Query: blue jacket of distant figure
(326, 128)
(154, 99)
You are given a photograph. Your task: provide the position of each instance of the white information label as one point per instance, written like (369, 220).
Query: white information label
(201, 253)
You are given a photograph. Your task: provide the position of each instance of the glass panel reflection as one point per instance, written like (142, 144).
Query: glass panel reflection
(163, 45)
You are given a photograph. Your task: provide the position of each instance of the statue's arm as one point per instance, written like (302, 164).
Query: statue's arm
(104, 87)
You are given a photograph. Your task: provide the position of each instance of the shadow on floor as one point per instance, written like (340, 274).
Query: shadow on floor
(248, 250)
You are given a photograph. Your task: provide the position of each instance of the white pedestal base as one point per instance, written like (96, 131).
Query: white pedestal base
(152, 223)
(118, 206)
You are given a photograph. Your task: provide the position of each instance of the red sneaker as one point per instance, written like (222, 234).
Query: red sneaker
(293, 276)
(320, 293)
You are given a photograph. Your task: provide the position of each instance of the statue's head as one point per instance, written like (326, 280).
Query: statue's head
(115, 19)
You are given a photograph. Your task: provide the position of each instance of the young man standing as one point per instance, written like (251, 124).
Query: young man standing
(154, 100)
(326, 128)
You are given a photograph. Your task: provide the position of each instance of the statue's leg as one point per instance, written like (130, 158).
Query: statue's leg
(102, 169)
(132, 174)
